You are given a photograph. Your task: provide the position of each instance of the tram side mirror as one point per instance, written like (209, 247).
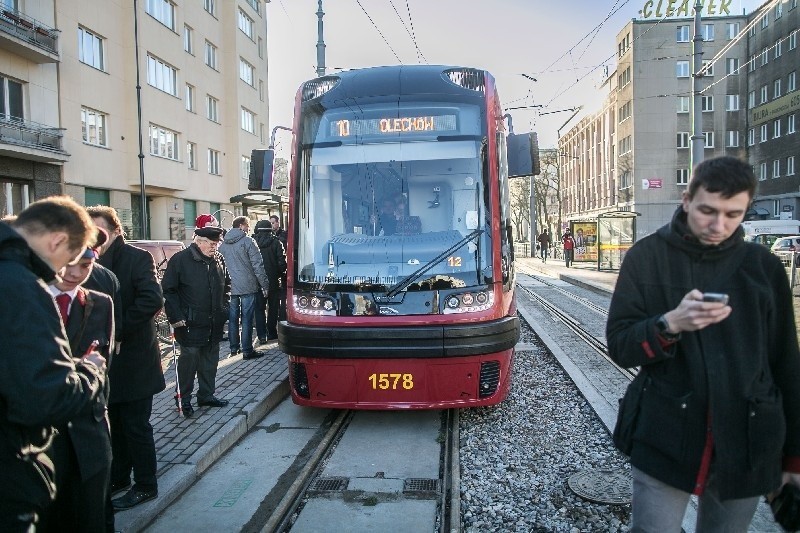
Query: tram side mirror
(523, 154)
(262, 164)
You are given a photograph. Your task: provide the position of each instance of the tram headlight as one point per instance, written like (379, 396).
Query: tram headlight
(468, 302)
(453, 302)
(312, 304)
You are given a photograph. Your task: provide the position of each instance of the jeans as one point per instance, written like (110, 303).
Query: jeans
(568, 256)
(543, 253)
(243, 305)
(658, 507)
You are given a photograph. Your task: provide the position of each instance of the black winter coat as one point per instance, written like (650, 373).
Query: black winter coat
(40, 384)
(744, 372)
(197, 289)
(136, 373)
(274, 255)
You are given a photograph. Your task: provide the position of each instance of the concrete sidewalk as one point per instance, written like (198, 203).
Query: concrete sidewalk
(581, 274)
(186, 447)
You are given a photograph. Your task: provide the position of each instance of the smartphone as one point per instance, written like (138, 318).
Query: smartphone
(715, 297)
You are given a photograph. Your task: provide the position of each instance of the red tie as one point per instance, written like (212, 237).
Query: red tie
(63, 300)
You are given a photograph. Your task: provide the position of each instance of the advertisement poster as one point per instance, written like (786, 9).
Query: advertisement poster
(585, 235)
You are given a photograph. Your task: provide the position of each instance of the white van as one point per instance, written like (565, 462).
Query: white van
(767, 232)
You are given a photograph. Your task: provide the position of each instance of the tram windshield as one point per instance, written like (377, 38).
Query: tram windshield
(393, 196)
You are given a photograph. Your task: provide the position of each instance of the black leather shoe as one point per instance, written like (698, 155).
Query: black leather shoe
(133, 498)
(118, 487)
(187, 411)
(255, 354)
(213, 402)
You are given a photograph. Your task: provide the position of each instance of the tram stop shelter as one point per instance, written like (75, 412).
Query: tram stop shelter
(263, 204)
(604, 240)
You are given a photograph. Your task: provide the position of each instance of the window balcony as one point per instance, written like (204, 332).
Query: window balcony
(27, 37)
(23, 139)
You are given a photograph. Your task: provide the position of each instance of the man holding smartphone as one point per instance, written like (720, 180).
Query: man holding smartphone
(710, 321)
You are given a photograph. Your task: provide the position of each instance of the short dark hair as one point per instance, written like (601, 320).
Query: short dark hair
(275, 218)
(238, 221)
(58, 213)
(726, 175)
(107, 213)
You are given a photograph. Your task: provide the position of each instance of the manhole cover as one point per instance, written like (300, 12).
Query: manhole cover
(603, 486)
(329, 484)
(420, 485)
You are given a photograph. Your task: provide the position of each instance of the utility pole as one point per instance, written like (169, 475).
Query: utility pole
(143, 192)
(698, 141)
(320, 42)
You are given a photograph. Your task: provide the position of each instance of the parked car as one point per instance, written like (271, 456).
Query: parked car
(161, 252)
(786, 248)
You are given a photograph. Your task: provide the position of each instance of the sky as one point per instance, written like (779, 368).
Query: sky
(565, 46)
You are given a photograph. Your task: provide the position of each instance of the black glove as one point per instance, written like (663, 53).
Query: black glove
(786, 507)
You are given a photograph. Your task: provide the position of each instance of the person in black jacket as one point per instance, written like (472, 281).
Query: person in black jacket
(136, 374)
(197, 291)
(81, 450)
(41, 385)
(718, 414)
(274, 256)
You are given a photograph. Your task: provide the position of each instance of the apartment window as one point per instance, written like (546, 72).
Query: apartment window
(682, 34)
(731, 102)
(213, 161)
(90, 49)
(93, 127)
(762, 171)
(793, 40)
(260, 48)
(210, 6)
(751, 137)
(244, 171)
(765, 21)
(776, 89)
(625, 111)
(751, 100)
(624, 78)
(732, 65)
(707, 103)
(764, 94)
(732, 139)
(255, 5)
(764, 56)
(261, 90)
(261, 135)
(778, 48)
(751, 64)
(163, 11)
(776, 129)
(682, 69)
(191, 155)
(188, 39)
(708, 68)
(790, 125)
(92, 196)
(776, 168)
(624, 45)
(708, 32)
(212, 108)
(790, 165)
(248, 121)
(779, 10)
(682, 176)
(211, 55)
(625, 145)
(683, 104)
(162, 76)
(708, 139)
(163, 142)
(11, 105)
(246, 24)
(246, 72)
(683, 139)
(791, 82)
(764, 133)
(190, 98)
(732, 30)
(189, 212)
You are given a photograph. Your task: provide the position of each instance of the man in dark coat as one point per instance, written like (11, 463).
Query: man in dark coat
(197, 289)
(719, 411)
(136, 374)
(274, 256)
(81, 451)
(279, 232)
(41, 385)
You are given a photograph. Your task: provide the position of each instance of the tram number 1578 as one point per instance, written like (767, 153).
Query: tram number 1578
(391, 381)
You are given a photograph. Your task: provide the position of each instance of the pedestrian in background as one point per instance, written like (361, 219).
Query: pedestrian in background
(279, 232)
(197, 289)
(136, 374)
(81, 450)
(569, 248)
(275, 265)
(715, 409)
(248, 277)
(544, 245)
(41, 384)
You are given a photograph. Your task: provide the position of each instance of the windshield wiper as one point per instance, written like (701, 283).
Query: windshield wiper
(414, 276)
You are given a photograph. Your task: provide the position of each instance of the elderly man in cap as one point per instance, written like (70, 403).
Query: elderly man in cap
(81, 450)
(197, 288)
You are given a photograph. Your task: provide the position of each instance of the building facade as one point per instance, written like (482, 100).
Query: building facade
(201, 108)
(635, 154)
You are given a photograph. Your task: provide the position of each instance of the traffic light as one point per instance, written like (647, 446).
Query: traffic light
(262, 164)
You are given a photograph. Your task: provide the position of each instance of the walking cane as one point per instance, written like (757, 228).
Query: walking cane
(178, 399)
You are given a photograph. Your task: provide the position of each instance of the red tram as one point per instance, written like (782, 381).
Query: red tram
(401, 268)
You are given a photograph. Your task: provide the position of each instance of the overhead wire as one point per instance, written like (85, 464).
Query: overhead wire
(405, 27)
(379, 32)
(413, 32)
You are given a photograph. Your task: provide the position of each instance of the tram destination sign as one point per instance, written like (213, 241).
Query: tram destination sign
(683, 8)
(393, 125)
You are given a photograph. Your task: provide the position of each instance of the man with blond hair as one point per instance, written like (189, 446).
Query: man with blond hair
(41, 384)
